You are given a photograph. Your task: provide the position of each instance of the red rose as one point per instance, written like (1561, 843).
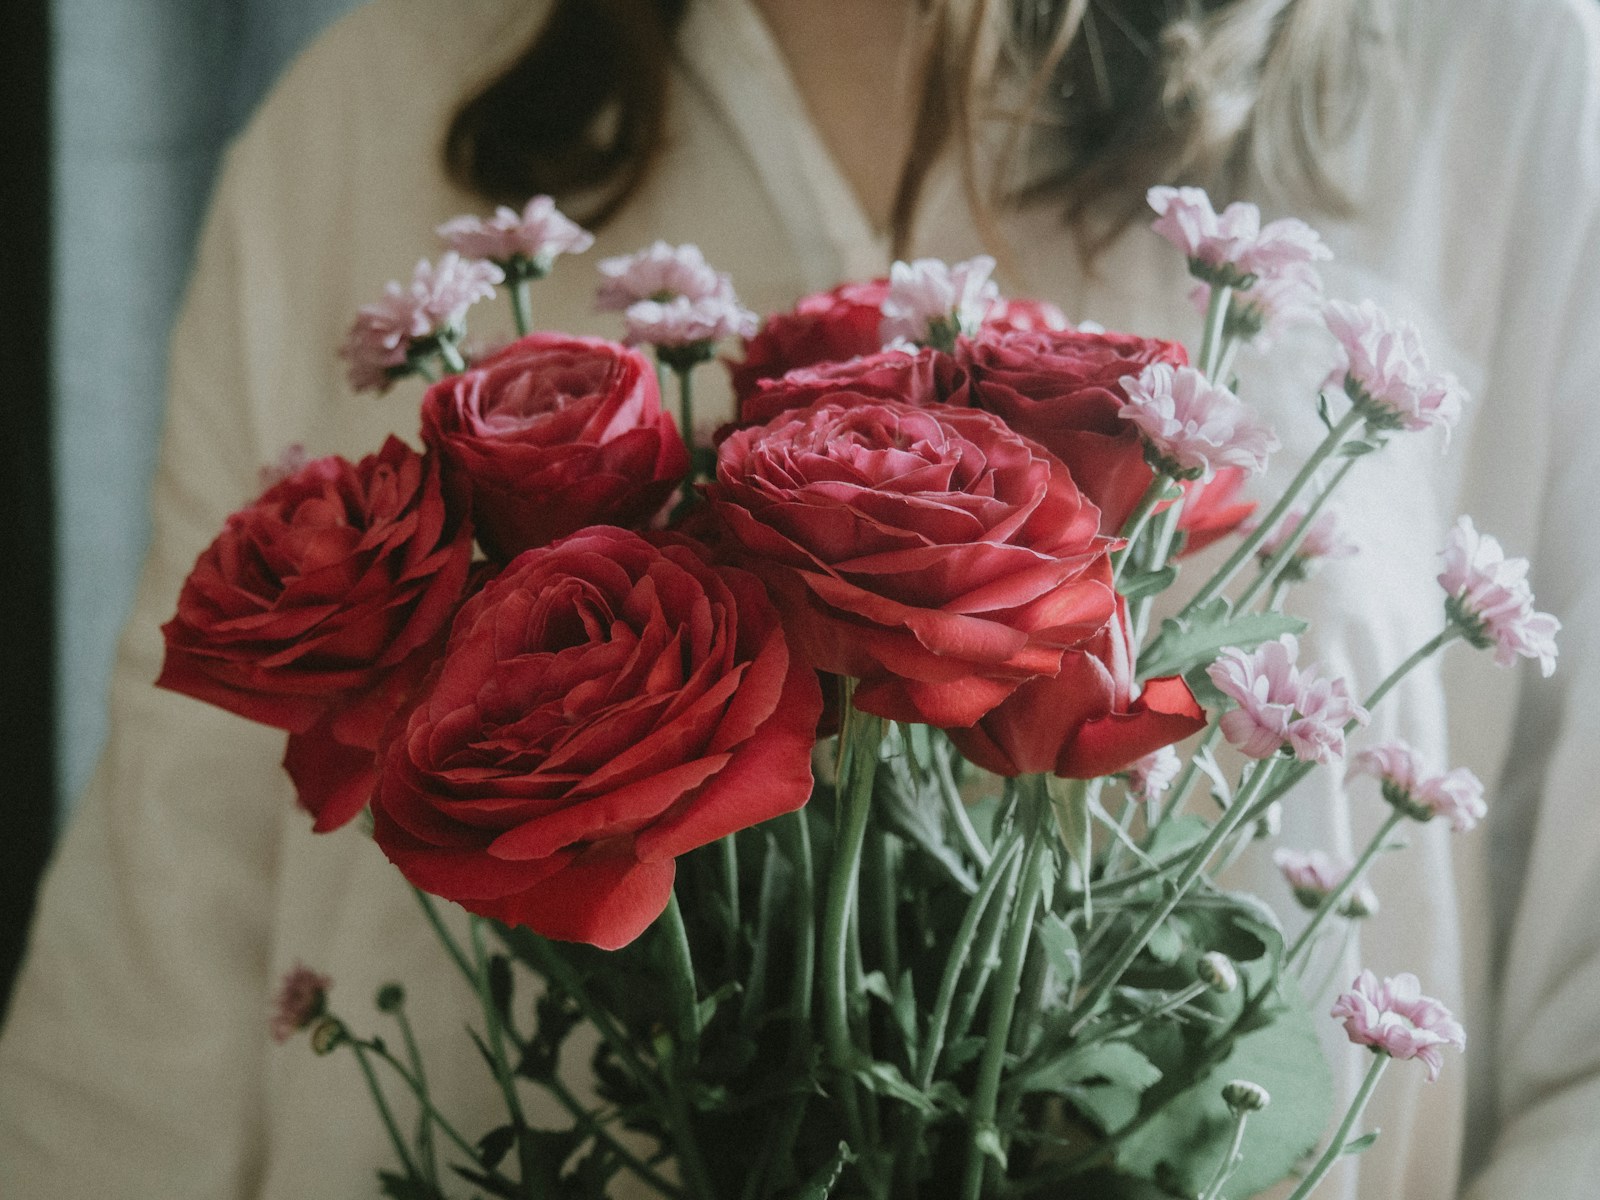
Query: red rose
(551, 434)
(314, 609)
(602, 706)
(827, 327)
(1083, 722)
(1061, 388)
(930, 553)
(924, 377)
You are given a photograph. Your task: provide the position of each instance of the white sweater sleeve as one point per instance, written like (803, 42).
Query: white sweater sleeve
(141, 1004)
(1545, 1069)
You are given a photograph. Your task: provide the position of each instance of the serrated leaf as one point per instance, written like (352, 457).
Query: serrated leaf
(821, 1184)
(1197, 640)
(915, 815)
(1360, 1144)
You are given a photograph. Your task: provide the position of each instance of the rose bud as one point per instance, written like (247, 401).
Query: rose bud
(603, 705)
(551, 434)
(318, 607)
(929, 553)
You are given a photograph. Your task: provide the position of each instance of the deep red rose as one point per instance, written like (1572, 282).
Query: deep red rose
(315, 610)
(603, 705)
(830, 326)
(551, 434)
(1083, 722)
(930, 553)
(925, 377)
(1061, 388)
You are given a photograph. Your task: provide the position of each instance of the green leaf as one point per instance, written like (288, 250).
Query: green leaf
(1165, 944)
(885, 1079)
(915, 814)
(1182, 1143)
(1356, 447)
(1197, 640)
(1322, 412)
(500, 986)
(1360, 1144)
(1060, 948)
(1147, 583)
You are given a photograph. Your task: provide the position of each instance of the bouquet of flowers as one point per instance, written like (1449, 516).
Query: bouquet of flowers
(824, 770)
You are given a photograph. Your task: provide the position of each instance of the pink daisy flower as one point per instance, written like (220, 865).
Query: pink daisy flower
(1395, 1018)
(930, 302)
(1192, 426)
(681, 321)
(1262, 312)
(659, 272)
(378, 346)
(529, 241)
(1487, 596)
(1313, 875)
(1281, 705)
(301, 999)
(1455, 795)
(1232, 247)
(1384, 369)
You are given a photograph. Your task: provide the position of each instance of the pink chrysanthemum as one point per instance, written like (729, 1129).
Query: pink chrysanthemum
(1455, 795)
(301, 999)
(537, 235)
(685, 322)
(1313, 875)
(1395, 1018)
(1326, 539)
(1260, 313)
(1152, 775)
(1281, 705)
(379, 342)
(1383, 368)
(1232, 246)
(659, 272)
(931, 302)
(1192, 426)
(1488, 598)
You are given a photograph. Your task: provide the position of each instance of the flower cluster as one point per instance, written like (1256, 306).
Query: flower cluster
(1232, 248)
(1282, 705)
(671, 298)
(1488, 598)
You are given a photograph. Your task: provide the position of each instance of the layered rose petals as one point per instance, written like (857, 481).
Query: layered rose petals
(551, 434)
(930, 553)
(316, 608)
(1085, 720)
(603, 705)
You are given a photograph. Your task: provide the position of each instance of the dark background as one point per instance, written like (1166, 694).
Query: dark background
(27, 625)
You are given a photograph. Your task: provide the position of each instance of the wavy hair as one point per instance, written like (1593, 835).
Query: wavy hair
(1081, 103)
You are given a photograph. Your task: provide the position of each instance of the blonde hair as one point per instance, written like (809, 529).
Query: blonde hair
(1081, 103)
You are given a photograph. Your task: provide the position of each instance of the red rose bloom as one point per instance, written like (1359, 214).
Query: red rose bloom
(551, 434)
(314, 609)
(830, 326)
(1061, 388)
(930, 553)
(925, 377)
(1083, 722)
(602, 706)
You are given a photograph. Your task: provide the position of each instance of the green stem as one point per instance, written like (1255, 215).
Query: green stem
(730, 881)
(1271, 569)
(1242, 553)
(446, 938)
(1330, 902)
(424, 1122)
(450, 355)
(985, 1133)
(423, 1099)
(1134, 525)
(587, 1121)
(1196, 862)
(497, 1050)
(1230, 1160)
(384, 1111)
(1212, 341)
(859, 738)
(957, 810)
(1162, 548)
(1336, 1146)
(685, 997)
(686, 408)
(522, 305)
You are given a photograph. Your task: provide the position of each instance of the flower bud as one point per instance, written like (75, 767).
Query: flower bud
(1216, 971)
(1359, 904)
(1270, 823)
(327, 1035)
(1242, 1096)
(391, 998)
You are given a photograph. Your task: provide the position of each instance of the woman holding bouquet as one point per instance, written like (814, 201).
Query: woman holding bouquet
(1450, 155)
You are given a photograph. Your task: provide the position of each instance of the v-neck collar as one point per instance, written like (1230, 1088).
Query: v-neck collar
(730, 53)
